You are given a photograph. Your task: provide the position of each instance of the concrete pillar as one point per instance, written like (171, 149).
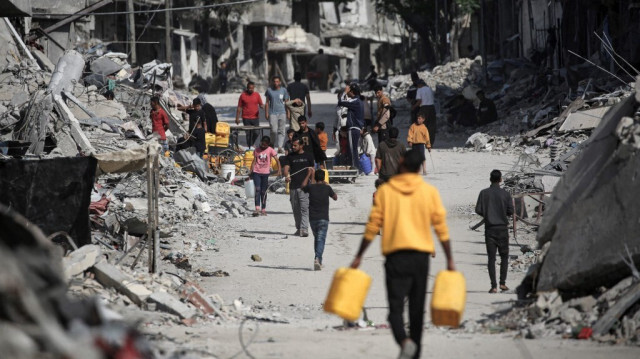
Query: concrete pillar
(193, 55)
(355, 64)
(313, 17)
(240, 42)
(343, 68)
(289, 69)
(184, 64)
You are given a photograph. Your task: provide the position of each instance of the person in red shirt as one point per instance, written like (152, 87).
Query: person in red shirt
(249, 106)
(159, 122)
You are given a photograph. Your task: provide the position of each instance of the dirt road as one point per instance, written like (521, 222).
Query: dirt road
(284, 285)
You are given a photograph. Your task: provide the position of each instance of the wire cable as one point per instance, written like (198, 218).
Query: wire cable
(186, 8)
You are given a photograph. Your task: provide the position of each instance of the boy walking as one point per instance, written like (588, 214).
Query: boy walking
(298, 168)
(418, 139)
(319, 194)
(495, 206)
(406, 208)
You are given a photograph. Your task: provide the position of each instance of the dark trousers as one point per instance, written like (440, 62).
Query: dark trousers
(354, 137)
(383, 134)
(497, 239)
(406, 276)
(261, 182)
(252, 135)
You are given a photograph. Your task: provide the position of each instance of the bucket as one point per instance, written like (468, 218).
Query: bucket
(347, 293)
(229, 171)
(249, 188)
(448, 299)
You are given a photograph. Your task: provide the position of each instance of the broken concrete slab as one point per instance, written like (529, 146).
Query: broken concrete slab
(112, 277)
(78, 261)
(631, 296)
(67, 72)
(167, 303)
(593, 213)
(192, 293)
(77, 133)
(584, 120)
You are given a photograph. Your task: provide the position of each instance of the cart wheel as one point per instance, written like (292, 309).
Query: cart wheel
(243, 171)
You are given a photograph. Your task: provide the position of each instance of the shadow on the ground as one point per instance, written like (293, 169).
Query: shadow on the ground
(350, 223)
(281, 267)
(268, 232)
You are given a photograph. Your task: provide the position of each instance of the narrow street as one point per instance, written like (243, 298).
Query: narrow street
(284, 283)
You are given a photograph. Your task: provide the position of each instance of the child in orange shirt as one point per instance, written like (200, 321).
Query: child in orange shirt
(322, 136)
(418, 138)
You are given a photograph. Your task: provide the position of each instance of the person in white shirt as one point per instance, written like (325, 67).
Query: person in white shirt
(425, 105)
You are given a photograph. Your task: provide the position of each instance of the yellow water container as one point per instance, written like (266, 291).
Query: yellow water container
(449, 298)
(286, 188)
(248, 158)
(238, 161)
(347, 293)
(223, 130)
(210, 140)
(274, 164)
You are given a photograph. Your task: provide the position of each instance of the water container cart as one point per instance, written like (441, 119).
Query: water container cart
(341, 174)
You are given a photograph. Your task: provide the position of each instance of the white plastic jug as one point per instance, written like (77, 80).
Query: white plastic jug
(229, 171)
(249, 188)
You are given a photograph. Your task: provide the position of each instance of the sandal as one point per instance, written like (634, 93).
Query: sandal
(504, 288)
(493, 290)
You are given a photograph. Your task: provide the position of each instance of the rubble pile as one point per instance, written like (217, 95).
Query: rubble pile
(608, 316)
(444, 80)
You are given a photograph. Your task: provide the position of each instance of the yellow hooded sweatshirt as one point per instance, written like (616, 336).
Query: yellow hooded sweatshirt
(406, 208)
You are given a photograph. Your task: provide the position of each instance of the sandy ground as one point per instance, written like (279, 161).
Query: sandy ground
(284, 284)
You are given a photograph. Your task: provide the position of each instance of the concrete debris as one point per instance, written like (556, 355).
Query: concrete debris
(111, 277)
(78, 261)
(167, 303)
(605, 315)
(256, 258)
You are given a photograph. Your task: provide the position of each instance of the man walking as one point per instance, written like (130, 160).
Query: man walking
(383, 115)
(405, 209)
(249, 105)
(388, 155)
(298, 169)
(298, 90)
(355, 121)
(276, 112)
(495, 206)
(426, 105)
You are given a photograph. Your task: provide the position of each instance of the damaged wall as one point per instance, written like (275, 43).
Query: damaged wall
(592, 217)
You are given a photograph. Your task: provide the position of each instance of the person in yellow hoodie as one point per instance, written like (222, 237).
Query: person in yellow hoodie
(406, 208)
(418, 139)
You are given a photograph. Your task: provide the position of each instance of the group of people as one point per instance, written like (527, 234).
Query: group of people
(405, 207)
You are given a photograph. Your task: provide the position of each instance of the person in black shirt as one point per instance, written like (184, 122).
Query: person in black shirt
(319, 194)
(211, 117)
(198, 139)
(310, 142)
(298, 90)
(298, 167)
(195, 114)
(495, 206)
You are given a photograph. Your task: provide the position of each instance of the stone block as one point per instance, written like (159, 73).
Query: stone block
(77, 262)
(167, 303)
(112, 277)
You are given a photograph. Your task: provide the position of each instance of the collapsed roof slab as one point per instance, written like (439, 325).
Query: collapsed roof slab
(15, 8)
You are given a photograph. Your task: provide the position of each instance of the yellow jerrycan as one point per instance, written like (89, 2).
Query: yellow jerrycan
(347, 293)
(449, 298)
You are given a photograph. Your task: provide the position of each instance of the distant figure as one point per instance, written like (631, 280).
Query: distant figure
(383, 115)
(276, 113)
(299, 167)
(368, 117)
(195, 113)
(487, 112)
(323, 138)
(319, 194)
(211, 117)
(411, 95)
(425, 104)
(495, 206)
(355, 121)
(407, 209)
(320, 63)
(159, 122)
(462, 112)
(298, 90)
(389, 154)
(372, 77)
(296, 110)
(368, 148)
(310, 142)
(260, 171)
(288, 145)
(222, 72)
(418, 139)
(249, 105)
